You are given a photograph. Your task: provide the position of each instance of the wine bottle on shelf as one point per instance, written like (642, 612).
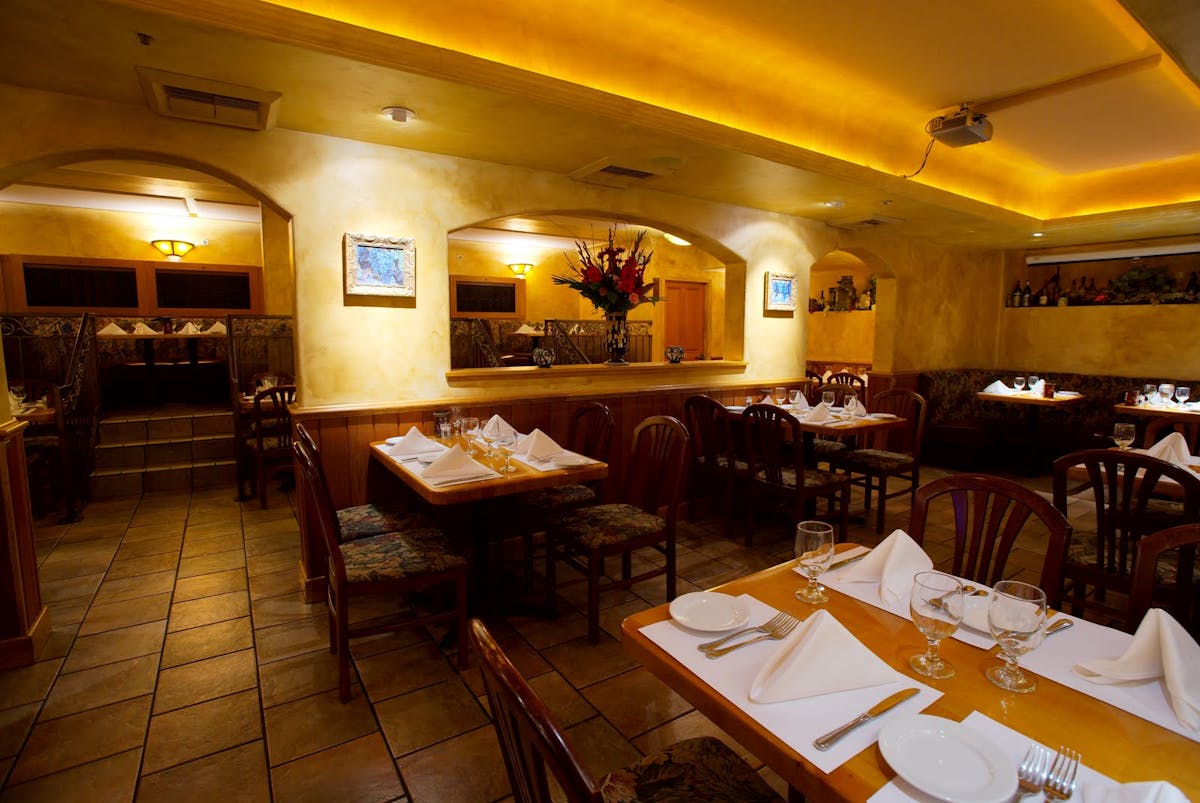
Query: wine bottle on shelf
(1043, 295)
(1026, 294)
(1014, 299)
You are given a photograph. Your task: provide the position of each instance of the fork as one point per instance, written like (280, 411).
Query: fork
(765, 627)
(1060, 782)
(1031, 775)
(776, 633)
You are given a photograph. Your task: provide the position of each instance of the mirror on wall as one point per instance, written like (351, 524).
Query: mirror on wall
(504, 302)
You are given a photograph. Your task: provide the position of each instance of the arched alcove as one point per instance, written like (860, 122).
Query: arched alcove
(858, 337)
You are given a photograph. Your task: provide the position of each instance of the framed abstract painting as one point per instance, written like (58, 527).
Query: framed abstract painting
(780, 292)
(380, 266)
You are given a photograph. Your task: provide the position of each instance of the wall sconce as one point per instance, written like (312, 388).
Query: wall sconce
(173, 250)
(521, 269)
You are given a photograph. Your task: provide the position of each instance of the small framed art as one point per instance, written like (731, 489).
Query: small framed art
(380, 266)
(780, 292)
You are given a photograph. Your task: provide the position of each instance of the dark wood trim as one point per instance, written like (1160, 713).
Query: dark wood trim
(24, 618)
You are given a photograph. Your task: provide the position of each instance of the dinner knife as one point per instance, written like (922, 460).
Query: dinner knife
(825, 742)
(847, 561)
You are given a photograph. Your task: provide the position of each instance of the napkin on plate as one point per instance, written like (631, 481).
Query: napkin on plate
(1144, 792)
(189, 328)
(820, 657)
(819, 414)
(892, 564)
(143, 329)
(217, 328)
(999, 388)
(1161, 648)
(112, 329)
(856, 408)
(412, 443)
(539, 446)
(495, 426)
(454, 465)
(1173, 449)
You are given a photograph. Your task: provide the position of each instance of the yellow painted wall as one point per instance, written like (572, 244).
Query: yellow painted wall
(841, 336)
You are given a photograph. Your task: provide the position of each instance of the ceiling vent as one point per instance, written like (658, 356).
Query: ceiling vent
(187, 97)
(605, 173)
(873, 222)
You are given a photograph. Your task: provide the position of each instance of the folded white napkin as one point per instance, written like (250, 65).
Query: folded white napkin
(856, 408)
(143, 329)
(1161, 648)
(412, 443)
(1144, 792)
(454, 464)
(1173, 449)
(1038, 388)
(495, 426)
(820, 657)
(801, 403)
(112, 329)
(769, 399)
(819, 414)
(999, 388)
(892, 564)
(537, 445)
(217, 328)
(189, 328)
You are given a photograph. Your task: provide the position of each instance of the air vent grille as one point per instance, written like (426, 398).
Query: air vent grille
(872, 222)
(203, 100)
(628, 172)
(608, 173)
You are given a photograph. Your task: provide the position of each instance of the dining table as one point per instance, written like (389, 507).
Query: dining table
(1112, 741)
(841, 427)
(1156, 411)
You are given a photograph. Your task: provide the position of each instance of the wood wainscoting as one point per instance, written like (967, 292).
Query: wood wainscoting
(24, 619)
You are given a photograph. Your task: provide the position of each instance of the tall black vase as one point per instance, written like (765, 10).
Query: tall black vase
(616, 338)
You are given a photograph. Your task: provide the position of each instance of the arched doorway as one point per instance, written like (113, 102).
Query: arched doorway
(852, 306)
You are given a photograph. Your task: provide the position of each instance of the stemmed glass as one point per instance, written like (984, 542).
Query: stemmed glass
(781, 395)
(470, 430)
(1148, 392)
(794, 397)
(828, 397)
(936, 606)
(1165, 392)
(1017, 620)
(814, 553)
(1033, 380)
(456, 419)
(1124, 435)
(851, 396)
(505, 442)
(1182, 394)
(1018, 383)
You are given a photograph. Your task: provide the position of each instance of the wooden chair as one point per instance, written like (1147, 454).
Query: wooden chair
(269, 435)
(776, 470)
(653, 483)
(816, 378)
(897, 452)
(713, 461)
(1158, 578)
(535, 748)
(46, 448)
(853, 380)
(389, 564)
(839, 390)
(1128, 490)
(989, 514)
(1186, 425)
(265, 380)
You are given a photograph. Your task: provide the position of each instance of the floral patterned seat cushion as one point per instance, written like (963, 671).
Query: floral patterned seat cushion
(876, 461)
(364, 521)
(812, 478)
(822, 449)
(601, 525)
(701, 769)
(397, 555)
(1082, 551)
(561, 498)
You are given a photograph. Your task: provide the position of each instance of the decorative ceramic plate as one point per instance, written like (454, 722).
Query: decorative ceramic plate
(709, 611)
(942, 758)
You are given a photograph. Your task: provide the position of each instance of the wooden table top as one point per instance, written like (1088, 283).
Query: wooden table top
(1025, 398)
(524, 479)
(857, 425)
(1151, 411)
(1110, 740)
(35, 415)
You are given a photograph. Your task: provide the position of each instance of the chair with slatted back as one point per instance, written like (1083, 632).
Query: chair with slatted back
(46, 445)
(714, 460)
(1134, 495)
(414, 560)
(1185, 425)
(989, 514)
(776, 470)
(816, 378)
(268, 441)
(1164, 576)
(535, 750)
(896, 453)
(583, 538)
(853, 380)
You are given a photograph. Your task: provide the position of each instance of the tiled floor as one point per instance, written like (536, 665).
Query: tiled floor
(185, 665)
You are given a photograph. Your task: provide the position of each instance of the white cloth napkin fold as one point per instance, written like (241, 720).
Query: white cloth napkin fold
(801, 403)
(820, 657)
(412, 443)
(1161, 648)
(1038, 388)
(892, 564)
(217, 328)
(537, 445)
(819, 414)
(454, 464)
(999, 388)
(769, 399)
(112, 329)
(1173, 449)
(496, 426)
(856, 408)
(143, 329)
(189, 328)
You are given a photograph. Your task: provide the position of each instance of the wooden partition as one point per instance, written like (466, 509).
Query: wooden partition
(24, 619)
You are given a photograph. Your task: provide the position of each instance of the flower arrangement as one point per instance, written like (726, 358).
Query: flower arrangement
(612, 278)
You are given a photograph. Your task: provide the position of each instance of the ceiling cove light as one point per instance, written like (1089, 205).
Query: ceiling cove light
(174, 250)
(398, 114)
(675, 239)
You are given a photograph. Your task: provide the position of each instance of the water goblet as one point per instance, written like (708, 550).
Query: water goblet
(444, 430)
(1124, 435)
(781, 395)
(1166, 391)
(851, 396)
(1148, 392)
(1182, 394)
(470, 431)
(456, 418)
(1017, 620)
(1018, 383)
(794, 396)
(505, 442)
(1033, 380)
(828, 397)
(749, 400)
(936, 606)
(814, 553)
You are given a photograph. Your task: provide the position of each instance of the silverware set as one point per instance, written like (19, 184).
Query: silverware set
(773, 629)
(1052, 776)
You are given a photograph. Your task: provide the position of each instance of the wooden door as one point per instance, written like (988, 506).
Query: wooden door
(685, 317)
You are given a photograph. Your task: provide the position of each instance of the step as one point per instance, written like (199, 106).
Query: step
(163, 451)
(107, 483)
(147, 427)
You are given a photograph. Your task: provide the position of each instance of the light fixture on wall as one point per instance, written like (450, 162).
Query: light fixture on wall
(521, 269)
(398, 114)
(675, 238)
(173, 250)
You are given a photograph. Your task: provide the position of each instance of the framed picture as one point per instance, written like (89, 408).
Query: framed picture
(780, 292)
(380, 266)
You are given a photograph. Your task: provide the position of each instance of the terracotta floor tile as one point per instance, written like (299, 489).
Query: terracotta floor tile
(568, 706)
(59, 643)
(109, 779)
(149, 532)
(360, 771)
(28, 684)
(199, 730)
(273, 584)
(276, 526)
(294, 638)
(543, 633)
(197, 547)
(101, 685)
(113, 615)
(689, 726)
(203, 531)
(14, 726)
(393, 640)
(263, 545)
(74, 740)
(635, 701)
(611, 618)
(150, 546)
(436, 773)
(582, 663)
(289, 607)
(71, 587)
(204, 680)
(208, 585)
(216, 562)
(208, 610)
(420, 718)
(601, 749)
(305, 726)
(300, 676)
(142, 585)
(274, 562)
(207, 641)
(68, 611)
(240, 771)
(139, 566)
(390, 673)
(73, 560)
(115, 645)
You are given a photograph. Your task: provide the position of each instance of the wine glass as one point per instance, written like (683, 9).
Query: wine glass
(849, 399)
(781, 394)
(749, 400)
(1017, 620)
(1182, 394)
(456, 419)
(794, 396)
(444, 430)
(936, 606)
(1166, 391)
(505, 442)
(1033, 380)
(1148, 392)
(470, 431)
(828, 397)
(1018, 383)
(814, 553)
(1124, 435)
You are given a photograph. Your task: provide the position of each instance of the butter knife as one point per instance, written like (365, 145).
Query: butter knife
(825, 742)
(847, 561)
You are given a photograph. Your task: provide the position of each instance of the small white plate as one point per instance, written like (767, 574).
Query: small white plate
(1065, 394)
(883, 416)
(570, 459)
(948, 761)
(709, 611)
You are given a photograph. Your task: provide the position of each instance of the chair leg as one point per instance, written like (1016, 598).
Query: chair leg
(262, 484)
(670, 567)
(867, 486)
(844, 517)
(595, 569)
(626, 565)
(460, 604)
(882, 503)
(551, 581)
(332, 630)
(727, 522)
(343, 648)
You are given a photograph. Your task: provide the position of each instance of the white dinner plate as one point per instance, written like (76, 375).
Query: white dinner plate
(709, 611)
(883, 416)
(568, 459)
(1065, 394)
(946, 760)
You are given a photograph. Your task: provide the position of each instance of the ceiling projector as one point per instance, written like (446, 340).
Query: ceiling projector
(963, 127)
